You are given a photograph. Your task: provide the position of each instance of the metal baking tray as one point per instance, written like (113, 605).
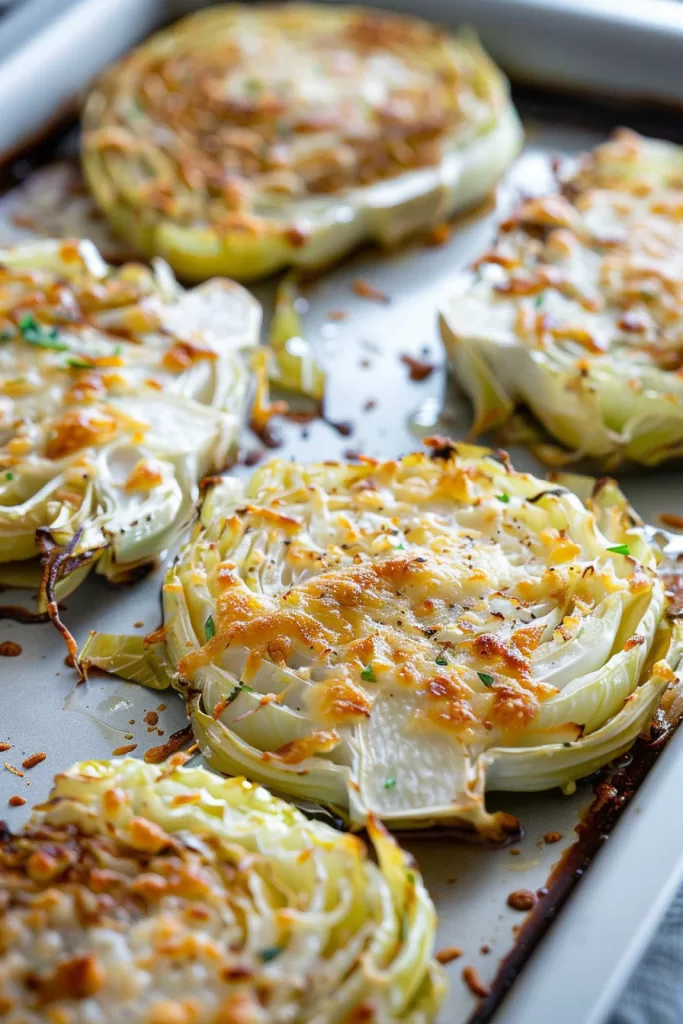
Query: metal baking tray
(583, 960)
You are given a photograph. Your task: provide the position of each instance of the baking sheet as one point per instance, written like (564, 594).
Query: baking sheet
(369, 386)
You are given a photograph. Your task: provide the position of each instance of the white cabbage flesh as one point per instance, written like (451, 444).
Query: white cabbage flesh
(183, 896)
(119, 391)
(338, 125)
(397, 637)
(575, 313)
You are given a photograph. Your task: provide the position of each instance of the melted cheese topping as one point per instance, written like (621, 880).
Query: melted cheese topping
(592, 278)
(236, 110)
(173, 897)
(447, 582)
(94, 397)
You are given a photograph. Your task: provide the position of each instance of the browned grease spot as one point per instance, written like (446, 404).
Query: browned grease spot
(470, 976)
(151, 718)
(127, 748)
(447, 954)
(16, 801)
(69, 661)
(485, 949)
(138, 625)
(418, 369)
(155, 755)
(5, 746)
(9, 649)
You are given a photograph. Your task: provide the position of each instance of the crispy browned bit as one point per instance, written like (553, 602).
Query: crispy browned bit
(33, 759)
(671, 519)
(139, 624)
(16, 801)
(5, 746)
(452, 879)
(69, 661)
(485, 949)
(366, 290)
(9, 649)
(337, 314)
(447, 954)
(131, 721)
(252, 457)
(151, 718)
(125, 749)
(370, 404)
(161, 707)
(521, 899)
(514, 851)
(419, 369)
(470, 976)
(439, 234)
(155, 755)
(12, 769)
(552, 837)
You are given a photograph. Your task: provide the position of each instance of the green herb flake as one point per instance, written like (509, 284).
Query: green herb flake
(270, 953)
(237, 690)
(538, 301)
(410, 877)
(620, 549)
(442, 660)
(505, 498)
(486, 679)
(9, 476)
(118, 350)
(209, 628)
(368, 674)
(389, 782)
(253, 85)
(44, 337)
(400, 547)
(76, 363)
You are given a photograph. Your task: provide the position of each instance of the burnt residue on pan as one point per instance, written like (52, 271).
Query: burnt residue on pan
(614, 787)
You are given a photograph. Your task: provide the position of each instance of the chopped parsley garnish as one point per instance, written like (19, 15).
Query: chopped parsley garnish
(368, 674)
(76, 363)
(236, 691)
(389, 782)
(253, 85)
(442, 660)
(399, 547)
(9, 476)
(209, 628)
(619, 549)
(270, 953)
(538, 300)
(44, 337)
(410, 876)
(486, 679)
(503, 497)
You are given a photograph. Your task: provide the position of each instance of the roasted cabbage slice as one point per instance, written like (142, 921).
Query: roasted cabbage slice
(397, 637)
(576, 311)
(118, 392)
(166, 894)
(247, 138)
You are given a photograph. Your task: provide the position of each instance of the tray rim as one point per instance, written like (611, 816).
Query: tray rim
(611, 943)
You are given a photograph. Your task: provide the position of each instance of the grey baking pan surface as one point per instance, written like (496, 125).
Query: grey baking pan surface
(582, 962)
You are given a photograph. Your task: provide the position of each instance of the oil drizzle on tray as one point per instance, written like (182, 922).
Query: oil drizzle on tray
(613, 789)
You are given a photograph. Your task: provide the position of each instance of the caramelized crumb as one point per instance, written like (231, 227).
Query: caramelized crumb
(418, 369)
(474, 983)
(5, 746)
(9, 649)
(521, 899)
(33, 759)
(337, 314)
(552, 837)
(125, 749)
(139, 624)
(447, 954)
(366, 290)
(16, 801)
(151, 718)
